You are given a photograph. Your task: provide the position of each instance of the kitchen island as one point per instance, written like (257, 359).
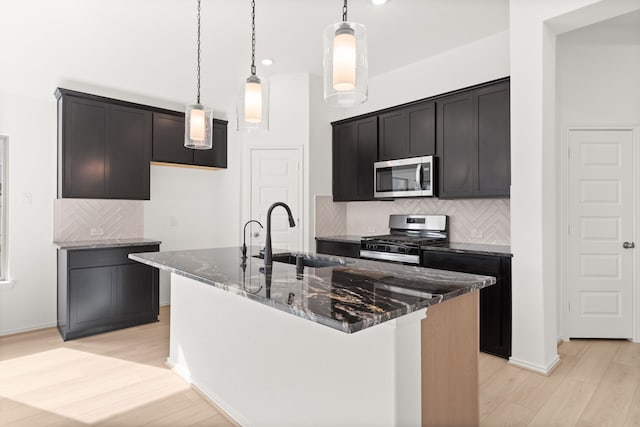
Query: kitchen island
(345, 342)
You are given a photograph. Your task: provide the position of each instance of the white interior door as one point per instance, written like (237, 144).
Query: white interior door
(600, 271)
(276, 176)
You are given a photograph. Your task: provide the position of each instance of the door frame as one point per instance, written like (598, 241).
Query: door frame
(563, 271)
(247, 176)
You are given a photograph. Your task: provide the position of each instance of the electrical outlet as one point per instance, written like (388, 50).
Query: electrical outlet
(97, 232)
(476, 234)
(173, 221)
(27, 199)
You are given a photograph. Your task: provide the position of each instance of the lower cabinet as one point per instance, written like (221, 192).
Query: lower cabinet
(332, 247)
(495, 301)
(101, 290)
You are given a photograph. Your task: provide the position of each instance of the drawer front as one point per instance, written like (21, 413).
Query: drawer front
(464, 263)
(330, 247)
(83, 258)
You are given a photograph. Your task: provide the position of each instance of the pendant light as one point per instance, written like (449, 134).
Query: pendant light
(198, 119)
(345, 63)
(253, 93)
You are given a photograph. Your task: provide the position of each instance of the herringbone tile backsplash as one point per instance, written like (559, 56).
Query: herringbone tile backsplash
(470, 220)
(118, 219)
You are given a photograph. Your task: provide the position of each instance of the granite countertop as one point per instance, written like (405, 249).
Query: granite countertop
(473, 248)
(347, 238)
(106, 243)
(349, 296)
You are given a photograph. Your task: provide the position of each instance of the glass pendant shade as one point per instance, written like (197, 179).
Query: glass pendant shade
(345, 64)
(253, 104)
(197, 127)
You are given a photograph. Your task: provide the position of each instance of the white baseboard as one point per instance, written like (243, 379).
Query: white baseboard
(539, 369)
(29, 329)
(213, 398)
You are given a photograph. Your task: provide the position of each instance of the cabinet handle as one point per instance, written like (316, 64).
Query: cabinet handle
(628, 245)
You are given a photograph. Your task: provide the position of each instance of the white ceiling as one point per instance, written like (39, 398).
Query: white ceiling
(147, 47)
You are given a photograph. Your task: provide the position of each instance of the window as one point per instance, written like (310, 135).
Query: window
(3, 207)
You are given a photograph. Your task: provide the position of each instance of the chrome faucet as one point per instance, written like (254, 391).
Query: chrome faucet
(268, 251)
(244, 237)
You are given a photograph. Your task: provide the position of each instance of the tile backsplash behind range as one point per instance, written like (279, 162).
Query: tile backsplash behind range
(74, 219)
(471, 220)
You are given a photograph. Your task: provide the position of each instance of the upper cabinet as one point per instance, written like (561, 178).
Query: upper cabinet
(168, 143)
(409, 131)
(105, 146)
(355, 145)
(104, 149)
(473, 143)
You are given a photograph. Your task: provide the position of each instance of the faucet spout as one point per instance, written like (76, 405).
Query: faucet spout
(268, 251)
(244, 237)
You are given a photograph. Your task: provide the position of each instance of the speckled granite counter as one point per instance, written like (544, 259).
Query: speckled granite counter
(349, 296)
(106, 243)
(472, 248)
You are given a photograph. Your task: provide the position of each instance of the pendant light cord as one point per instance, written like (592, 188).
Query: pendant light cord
(253, 37)
(344, 11)
(198, 96)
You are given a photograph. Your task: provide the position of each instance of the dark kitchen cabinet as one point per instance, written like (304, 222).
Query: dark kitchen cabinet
(168, 139)
(104, 148)
(101, 290)
(473, 143)
(407, 132)
(168, 143)
(217, 156)
(355, 146)
(495, 300)
(333, 247)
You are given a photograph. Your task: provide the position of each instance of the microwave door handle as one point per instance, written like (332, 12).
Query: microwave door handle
(418, 180)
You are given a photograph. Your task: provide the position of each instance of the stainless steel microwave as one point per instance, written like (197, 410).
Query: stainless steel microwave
(404, 177)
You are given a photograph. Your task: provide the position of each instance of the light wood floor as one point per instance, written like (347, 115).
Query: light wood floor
(113, 379)
(120, 379)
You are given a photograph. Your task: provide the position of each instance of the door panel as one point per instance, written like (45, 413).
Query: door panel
(137, 292)
(600, 271)
(92, 297)
(85, 149)
(168, 140)
(276, 177)
(130, 152)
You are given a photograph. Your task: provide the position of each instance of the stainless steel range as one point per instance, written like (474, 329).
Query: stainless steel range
(408, 233)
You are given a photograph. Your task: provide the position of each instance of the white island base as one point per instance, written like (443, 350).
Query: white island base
(265, 367)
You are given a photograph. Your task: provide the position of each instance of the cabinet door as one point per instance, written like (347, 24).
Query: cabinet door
(92, 297)
(168, 140)
(367, 152)
(495, 300)
(217, 156)
(494, 154)
(407, 132)
(344, 162)
(137, 292)
(457, 147)
(83, 140)
(421, 124)
(130, 132)
(394, 141)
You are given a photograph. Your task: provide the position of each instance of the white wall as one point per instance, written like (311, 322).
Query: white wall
(534, 159)
(598, 84)
(109, 56)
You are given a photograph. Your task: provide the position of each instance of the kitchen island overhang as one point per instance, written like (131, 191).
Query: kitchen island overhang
(264, 366)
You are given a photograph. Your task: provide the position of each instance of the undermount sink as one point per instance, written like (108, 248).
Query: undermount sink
(307, 261)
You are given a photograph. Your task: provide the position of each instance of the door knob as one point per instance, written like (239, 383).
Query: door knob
(628, 245)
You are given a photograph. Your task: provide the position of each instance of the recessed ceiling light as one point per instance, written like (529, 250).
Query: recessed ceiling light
(378, 2)
(267, 62)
